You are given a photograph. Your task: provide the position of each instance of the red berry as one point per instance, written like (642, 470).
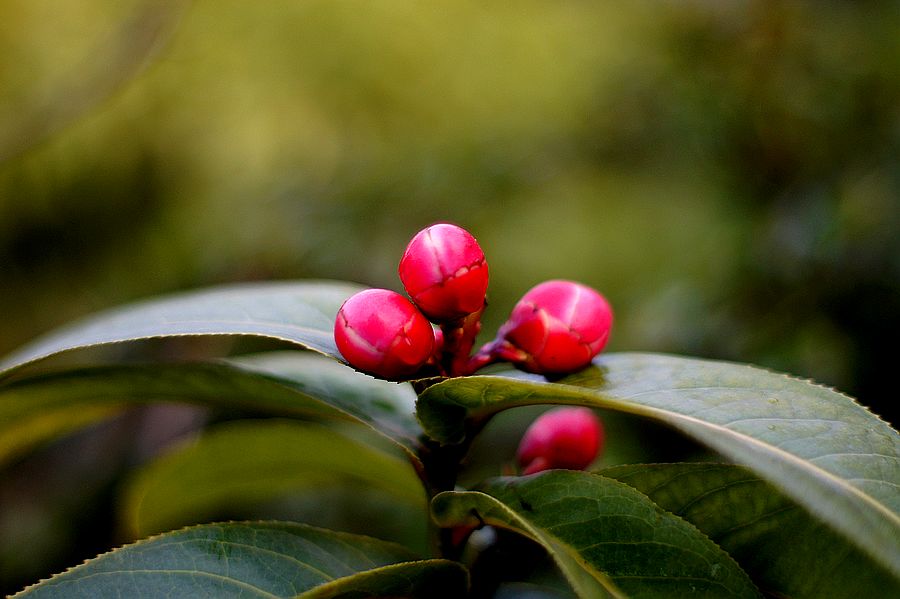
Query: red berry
(382, 333)
(562, 438)
(444, 271)
(556, 328)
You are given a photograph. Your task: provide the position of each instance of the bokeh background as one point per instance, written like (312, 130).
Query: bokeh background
(728, 174)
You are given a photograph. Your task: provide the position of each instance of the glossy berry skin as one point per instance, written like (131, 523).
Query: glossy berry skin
(381, 332)
(568, 438)
(445, 273)
(556, 328)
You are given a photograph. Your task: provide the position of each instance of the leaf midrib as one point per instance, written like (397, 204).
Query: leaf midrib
(539, 535)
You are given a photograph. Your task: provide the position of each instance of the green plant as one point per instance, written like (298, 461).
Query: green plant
(798, 497)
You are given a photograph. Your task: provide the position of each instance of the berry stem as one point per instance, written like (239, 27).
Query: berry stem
(498, 350)
(478, 361)
(459, 339)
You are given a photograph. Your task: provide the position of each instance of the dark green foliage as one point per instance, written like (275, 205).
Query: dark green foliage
(816, 513)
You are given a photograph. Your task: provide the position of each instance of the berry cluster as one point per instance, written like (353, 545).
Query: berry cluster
(556, 328)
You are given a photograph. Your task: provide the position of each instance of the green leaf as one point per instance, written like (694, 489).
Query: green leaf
(28, 428)
(816, 445)
(786, 552)
(246, 462)
(386, 406)
(300, 313)
(257, 559)
(435, 578)
(606, 538)
(309, 385)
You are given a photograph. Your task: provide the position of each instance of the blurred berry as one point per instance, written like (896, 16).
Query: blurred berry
(568, 438)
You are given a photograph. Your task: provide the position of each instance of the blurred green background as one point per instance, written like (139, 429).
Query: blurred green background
(728, 174)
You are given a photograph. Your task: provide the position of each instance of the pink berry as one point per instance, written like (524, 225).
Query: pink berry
(381, 332)
(556, 328)
(444, 271)
(562, 438)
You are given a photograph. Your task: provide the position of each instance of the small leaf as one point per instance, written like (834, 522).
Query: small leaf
(253, 559)
(246, 462)
(300, 313)
(816, 445)
(309, 385)
(606, 538)
(787, 552)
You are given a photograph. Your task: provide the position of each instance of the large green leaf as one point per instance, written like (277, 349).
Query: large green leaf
(259, 559)
(246, 462)
(435, 578)
(386, 406)
(606, 538)
(818, 446)
(301, 313)
(785, 551)
(306, 384)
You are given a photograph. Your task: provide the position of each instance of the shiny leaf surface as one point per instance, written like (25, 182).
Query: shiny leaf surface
(282, 383)
(607, 538)
(298, 312)
(817, 446)
(256, 559)
(786, 551)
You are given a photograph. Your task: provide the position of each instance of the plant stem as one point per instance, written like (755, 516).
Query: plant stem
(459, 338)
(498, 350)
(441, 466)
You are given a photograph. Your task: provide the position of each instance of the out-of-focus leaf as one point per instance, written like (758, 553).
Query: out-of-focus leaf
(313, 386)
(607, 538)
(524, 590)
(298, 312)
(20, 434)
(255, 559)
(246, 462)
(786, 552)
(819, 447)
